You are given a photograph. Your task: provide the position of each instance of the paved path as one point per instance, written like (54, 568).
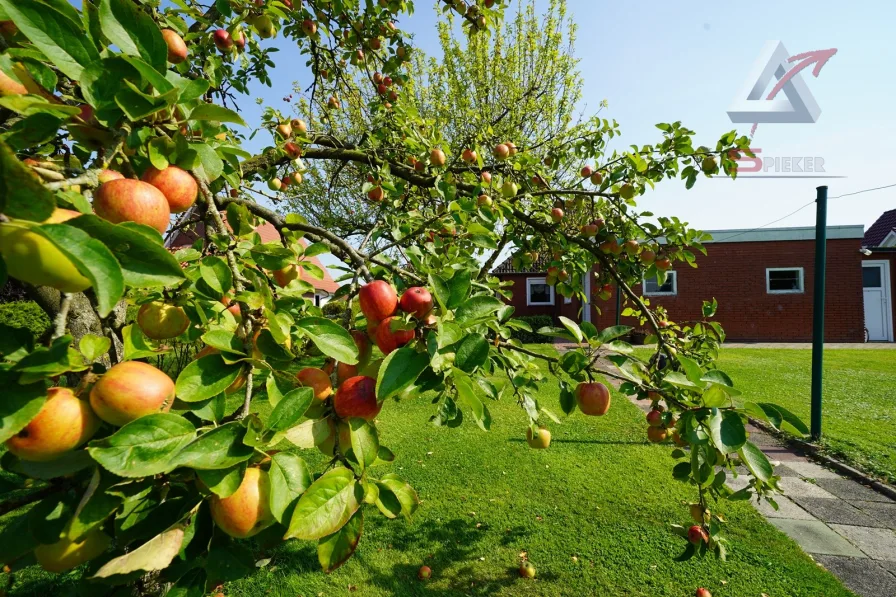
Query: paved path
(848, 528)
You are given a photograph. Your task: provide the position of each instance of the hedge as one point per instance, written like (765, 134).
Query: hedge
(536, 322)
(25, 314)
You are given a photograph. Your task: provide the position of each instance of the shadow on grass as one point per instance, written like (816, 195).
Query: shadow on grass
(448, 544)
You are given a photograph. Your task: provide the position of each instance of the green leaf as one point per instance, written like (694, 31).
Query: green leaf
(326, 505)
(136, 345)
(756, 461)
(330, 338)
(206, 377)
(155, 554)
(459, 287)
(691, 369)
(65, 465)
(210, 164)
(365, 441)
(225, 481)
(191, 584)
(144, 262)
(290, 478)
(399, 371)
(19, 405)
(216, 273)
(440, 289)
(133, 31)
(62, 40)
(216, 113)
(21, 194)
(477, 308)
(278, 385)
(472, 353)
(222, 447)
(272, 256)
(290, 409)
(93, 259)
(715, 397)
(468, 396)
(611, 333)
(95, 507)
(335, 550)
(224, 340)
(404, 492)
(93, 346)
(790, 422)
(573, 328)
(144, 447)
(727, 431)
(32, 131)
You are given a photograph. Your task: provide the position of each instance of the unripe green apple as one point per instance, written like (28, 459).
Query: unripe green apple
(540, 441)
(247, 511)
(65, 554)
(160, 321)
(63, 423)
(32, 258)
(509, 189)
(130, 390)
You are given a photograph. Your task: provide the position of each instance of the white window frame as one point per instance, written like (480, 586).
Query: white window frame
(529, 282)
(674, 292)
(889, 240)
(768, 281)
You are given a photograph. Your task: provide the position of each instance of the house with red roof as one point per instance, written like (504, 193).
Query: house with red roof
(879, 277)
(323, 289)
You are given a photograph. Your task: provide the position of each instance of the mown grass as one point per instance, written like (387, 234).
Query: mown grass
(859, 394)
(591, 513)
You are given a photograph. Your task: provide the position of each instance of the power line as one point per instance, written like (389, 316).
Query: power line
(799, 209)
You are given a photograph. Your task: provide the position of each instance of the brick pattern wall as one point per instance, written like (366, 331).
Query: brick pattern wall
(734, 273)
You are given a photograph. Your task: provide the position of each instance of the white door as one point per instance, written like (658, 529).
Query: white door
(876, 288)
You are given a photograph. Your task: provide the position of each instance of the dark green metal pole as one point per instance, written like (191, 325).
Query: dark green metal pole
(821, 237)
(618, 303)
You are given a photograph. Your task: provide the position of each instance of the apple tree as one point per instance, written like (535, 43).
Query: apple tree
(118, 115)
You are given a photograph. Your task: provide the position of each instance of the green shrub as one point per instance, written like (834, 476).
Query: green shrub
(25, 314)
(536, 322)
(334, 309)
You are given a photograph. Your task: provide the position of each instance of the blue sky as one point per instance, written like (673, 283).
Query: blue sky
(660, 61)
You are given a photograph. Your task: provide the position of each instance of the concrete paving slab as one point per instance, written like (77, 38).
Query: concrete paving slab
(815, 536)
(795, 487)
(886, 513)
(849, 490)
(837, 511)
(809, 470)
(781, 454)
(862, 576)
(879, 544)
(786, 509)
(739, 483)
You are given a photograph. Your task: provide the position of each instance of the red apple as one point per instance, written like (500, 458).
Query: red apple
(556, 215)
(662, 263)
(596, 179)
(63, 423)
(107, 175)
(655, 418)
(486, 177)
(127, 200)
(424, 573)
(223, 40)
(309, 27)
(701, 592)
(364, 347)
(345, 371)
(657, 434)
(469, 156)
(437, 157)
(356, 397)
(511, 147)
(647, 256)
(697, 535)
(416, 300)
(130, 390)
(292, 150)
(178, 186)
(631, 247)
(317, 380)
(501, 151)
(378, 300)
(388, 339)
(177, 49)
(587, 171)
(593, 398)
(589, 230)
(376, 194)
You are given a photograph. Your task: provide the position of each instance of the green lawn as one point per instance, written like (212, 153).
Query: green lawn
(859, 400)
(591, 512)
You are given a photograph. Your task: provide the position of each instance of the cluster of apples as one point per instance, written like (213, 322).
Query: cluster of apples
(593, 399)
(661, 424)
(380, 303)
(286, 132)
(383, 84)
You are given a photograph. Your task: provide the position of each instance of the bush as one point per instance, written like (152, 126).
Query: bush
(334, 309)
(536, 322)
(25, 314)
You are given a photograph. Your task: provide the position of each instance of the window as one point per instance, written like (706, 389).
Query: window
(667, 288)
(784, 280)
(871, 276)
(538, 292)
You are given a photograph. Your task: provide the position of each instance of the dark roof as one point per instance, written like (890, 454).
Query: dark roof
(506, 267)
(885, 224)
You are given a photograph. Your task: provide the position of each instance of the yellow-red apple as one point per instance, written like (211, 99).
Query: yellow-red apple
(63, 423)
(130, 390)
(356, 397)
(247, 511)
(178, 186)
(161, 321)
(593, 398)
(127, 200)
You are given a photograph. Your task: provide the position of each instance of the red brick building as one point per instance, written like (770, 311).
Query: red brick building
(762, 279)
(879, 277)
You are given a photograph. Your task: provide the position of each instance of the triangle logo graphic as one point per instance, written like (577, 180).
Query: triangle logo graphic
(752, 105)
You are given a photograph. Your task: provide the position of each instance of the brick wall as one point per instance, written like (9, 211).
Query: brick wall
(734, 273)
